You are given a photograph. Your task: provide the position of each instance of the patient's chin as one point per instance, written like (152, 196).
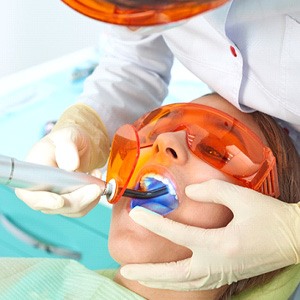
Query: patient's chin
(137, 252)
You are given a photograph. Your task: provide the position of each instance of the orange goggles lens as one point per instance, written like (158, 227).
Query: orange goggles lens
(212, 135)
(141, 13)
(124, 155)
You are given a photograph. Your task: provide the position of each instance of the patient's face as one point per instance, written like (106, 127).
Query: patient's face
(131, 243)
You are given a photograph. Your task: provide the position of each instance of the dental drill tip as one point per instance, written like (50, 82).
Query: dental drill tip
(110, 189)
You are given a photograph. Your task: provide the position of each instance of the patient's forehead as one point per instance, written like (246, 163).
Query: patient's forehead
(218, 102)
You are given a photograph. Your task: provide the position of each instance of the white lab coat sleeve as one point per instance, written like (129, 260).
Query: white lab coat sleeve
(131, 79)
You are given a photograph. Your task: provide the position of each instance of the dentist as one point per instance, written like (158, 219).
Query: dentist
(246, 51)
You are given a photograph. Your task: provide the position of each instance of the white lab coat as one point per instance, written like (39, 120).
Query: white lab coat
(248, 51)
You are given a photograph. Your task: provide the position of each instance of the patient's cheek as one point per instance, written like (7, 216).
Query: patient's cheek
(204, 215)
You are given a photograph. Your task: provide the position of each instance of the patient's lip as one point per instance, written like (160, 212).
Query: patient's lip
(150, 178)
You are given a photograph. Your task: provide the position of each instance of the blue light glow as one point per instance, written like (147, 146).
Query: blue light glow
(162, 205)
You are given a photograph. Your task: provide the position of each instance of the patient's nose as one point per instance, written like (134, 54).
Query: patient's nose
(171, 146)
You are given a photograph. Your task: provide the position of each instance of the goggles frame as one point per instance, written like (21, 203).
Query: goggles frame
(225, 143)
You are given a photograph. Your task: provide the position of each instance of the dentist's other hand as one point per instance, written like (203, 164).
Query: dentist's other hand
(262, 236)
(78, 142)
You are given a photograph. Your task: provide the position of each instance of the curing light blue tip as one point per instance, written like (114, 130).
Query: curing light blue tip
(162, 205)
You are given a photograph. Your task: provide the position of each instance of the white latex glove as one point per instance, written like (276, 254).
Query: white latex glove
(77, 142)
(264, 235)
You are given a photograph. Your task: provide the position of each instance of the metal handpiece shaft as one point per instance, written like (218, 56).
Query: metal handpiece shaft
(35, 177)
(20, 174)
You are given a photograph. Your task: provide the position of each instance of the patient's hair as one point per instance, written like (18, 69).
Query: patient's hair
(288, 168)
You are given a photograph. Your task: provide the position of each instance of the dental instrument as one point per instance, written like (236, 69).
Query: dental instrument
(20, 174)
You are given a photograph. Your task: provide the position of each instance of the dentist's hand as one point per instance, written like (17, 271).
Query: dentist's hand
(78, 141)
(262, 236)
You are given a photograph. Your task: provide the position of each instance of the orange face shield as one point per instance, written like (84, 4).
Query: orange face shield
(213, 136)
(142, 12)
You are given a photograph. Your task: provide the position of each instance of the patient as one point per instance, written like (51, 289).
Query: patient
(171, 157)
(175, 156)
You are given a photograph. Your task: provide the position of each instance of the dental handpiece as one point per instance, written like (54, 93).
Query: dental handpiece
(35, 177)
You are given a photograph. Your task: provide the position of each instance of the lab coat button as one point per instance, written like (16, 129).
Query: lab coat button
(232, 49)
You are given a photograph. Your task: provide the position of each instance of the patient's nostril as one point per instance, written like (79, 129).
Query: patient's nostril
(172, 152)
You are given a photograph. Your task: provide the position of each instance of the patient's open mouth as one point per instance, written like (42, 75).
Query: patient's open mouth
(162, 204)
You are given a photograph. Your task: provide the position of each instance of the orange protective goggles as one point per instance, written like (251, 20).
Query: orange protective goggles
(142, 12)
(213, 136)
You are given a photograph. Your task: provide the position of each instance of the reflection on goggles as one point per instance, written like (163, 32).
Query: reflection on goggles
(212, 135)
(141, 13)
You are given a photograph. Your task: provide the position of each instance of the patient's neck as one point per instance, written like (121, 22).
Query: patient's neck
(159, 294)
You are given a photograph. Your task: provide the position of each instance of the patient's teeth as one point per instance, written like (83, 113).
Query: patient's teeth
(163, 204)
(147, 184)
